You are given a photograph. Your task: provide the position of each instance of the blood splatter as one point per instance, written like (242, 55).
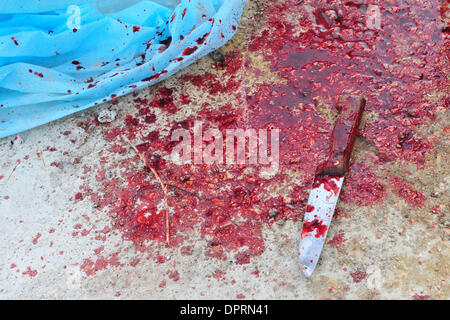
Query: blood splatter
(399, 69)
(328, 183)
(405, 191)
(30, 272)
(202, 40)
(337, 240)
(155, 76)
(362, 186)
(189, 50)
(358, 276)
(317, 225)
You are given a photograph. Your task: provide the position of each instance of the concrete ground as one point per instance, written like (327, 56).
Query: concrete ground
(59, 240)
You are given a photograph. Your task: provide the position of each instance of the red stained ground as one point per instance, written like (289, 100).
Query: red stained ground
(405, 191)
(337, 240)
(394, 68)
(363, 186)
(358, 276)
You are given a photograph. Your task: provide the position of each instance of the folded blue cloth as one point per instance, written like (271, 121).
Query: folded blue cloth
(60, 57)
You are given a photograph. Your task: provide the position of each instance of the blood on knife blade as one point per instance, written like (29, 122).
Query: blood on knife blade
(328, 182)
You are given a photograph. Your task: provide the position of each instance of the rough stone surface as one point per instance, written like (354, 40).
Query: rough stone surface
(64, 186)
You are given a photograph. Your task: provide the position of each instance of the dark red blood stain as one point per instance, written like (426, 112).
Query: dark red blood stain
(234, 62)
(15, 41)
(343, 136)
(178, 59)
(202, 40)
(397, 69)
(75, 62)
(328, 183)
(405, 191)
(184, 99)
(309, 208)
(337, 240)
(421, 297)
(189, 50)
(40, 75)
(310, 226)
(211, 83)
(163, 99)
(362, 186)
(155, 76)
(358, 276)
(150, 118)
(136, 29)
(78, 196)
(184, 12)
(75, 30)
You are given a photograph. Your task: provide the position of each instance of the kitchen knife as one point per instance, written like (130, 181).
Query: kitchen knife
(328, 182)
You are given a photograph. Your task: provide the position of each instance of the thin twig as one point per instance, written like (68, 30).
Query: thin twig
(163, 186)
(41, 156)
(12, 172)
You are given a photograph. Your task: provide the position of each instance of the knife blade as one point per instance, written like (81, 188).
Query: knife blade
(328, 182)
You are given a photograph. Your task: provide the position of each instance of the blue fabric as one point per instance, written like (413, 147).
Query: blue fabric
(50, 69)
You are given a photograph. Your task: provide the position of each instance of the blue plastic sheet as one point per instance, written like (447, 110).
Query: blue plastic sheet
(60, 57)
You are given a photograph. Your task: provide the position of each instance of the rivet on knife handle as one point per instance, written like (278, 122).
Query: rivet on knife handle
(328, 182)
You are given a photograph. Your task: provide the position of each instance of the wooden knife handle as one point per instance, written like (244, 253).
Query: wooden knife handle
(350, 109)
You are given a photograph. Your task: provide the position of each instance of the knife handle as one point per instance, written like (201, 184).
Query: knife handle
(350, 109)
